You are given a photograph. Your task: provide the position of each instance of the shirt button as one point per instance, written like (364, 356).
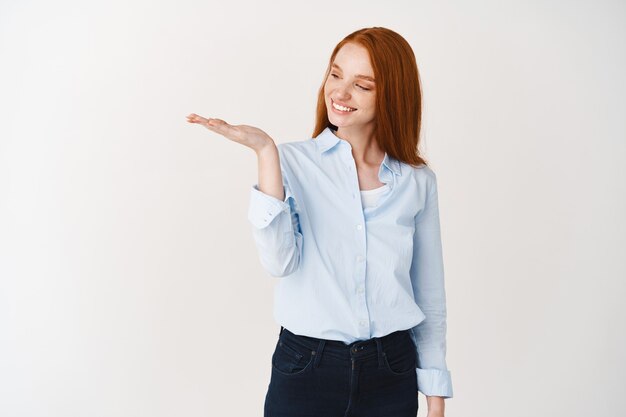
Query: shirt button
(359, 227)
(359, 258)
(363, 323)
(360, 290)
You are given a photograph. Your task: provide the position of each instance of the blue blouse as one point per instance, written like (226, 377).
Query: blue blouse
(351, 272)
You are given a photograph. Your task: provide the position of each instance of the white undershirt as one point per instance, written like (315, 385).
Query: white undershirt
(370, 198)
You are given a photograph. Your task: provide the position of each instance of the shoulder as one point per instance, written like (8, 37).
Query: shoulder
(423, 175)
(294, 150)
(305, 145)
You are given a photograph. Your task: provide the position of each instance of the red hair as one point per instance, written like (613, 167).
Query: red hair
(398, 116)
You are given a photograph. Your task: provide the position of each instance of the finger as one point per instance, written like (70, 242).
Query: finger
(219, 126)
(215, 122)
(196, 119)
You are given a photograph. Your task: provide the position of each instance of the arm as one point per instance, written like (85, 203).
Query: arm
(274, 219)
(273, 216)
(427, 277)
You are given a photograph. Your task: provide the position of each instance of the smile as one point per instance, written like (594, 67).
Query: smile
(342, 108)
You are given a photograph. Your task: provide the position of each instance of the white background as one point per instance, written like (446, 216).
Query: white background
(129, 281)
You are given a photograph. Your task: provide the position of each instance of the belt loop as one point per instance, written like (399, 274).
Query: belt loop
(318, 354)
(281, 330)
(381, 353)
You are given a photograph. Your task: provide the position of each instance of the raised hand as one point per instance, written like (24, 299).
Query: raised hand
(249, 136)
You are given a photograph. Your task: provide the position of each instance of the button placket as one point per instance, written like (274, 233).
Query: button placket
(359, 227)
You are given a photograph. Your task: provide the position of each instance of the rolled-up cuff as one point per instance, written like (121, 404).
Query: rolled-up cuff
(434, 382)
(264, 208)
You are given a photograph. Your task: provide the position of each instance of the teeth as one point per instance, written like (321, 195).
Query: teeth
(342, 108)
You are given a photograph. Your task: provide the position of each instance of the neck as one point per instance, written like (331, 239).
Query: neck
(365, 149)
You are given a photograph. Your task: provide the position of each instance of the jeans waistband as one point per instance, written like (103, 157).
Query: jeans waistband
(357, 349)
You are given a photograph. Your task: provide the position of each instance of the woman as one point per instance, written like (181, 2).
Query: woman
(349, 220)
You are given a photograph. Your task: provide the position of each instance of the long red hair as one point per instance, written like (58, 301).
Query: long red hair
(398, 117)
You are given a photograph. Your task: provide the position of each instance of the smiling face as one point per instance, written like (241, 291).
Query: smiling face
(350, 84)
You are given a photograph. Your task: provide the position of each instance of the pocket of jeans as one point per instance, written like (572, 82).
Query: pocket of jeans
(289, 360)
(400, 360)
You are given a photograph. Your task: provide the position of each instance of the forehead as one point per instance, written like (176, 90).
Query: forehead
(353, 58)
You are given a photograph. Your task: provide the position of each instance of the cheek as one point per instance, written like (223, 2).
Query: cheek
(332, 83)
(371, 105)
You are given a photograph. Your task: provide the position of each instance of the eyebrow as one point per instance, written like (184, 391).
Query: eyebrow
(365, 77)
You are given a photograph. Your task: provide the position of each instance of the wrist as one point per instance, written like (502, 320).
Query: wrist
(267, 147)
(435, 403)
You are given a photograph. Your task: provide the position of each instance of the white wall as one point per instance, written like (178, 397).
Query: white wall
(129, 281)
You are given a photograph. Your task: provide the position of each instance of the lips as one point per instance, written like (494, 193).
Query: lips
(342, 104)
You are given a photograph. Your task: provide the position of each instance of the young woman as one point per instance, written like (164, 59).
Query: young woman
(349, 220)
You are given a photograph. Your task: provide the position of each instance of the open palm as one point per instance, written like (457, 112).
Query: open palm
(250, 136)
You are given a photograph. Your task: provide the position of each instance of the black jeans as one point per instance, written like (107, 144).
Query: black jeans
(327, 378)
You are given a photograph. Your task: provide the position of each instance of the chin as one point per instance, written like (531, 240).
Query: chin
(338, 123)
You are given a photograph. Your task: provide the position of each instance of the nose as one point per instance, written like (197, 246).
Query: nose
(342, 94)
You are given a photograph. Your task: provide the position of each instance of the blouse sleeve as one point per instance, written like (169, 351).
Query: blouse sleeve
(276, 230)
(427, 277)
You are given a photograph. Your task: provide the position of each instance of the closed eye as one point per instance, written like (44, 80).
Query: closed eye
(361, 87)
